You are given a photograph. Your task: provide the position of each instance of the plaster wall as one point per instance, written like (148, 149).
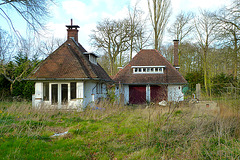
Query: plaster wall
(175, 93)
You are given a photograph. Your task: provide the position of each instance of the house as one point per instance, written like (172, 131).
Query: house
(70, 77)
(149, 77)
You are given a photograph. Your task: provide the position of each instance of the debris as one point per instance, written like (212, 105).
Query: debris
(163, 103)
(59, 134)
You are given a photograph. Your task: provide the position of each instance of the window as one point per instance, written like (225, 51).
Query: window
(54, 94)
(99, 88)
(148, 69)
(45, 91)
(73, 90)
(64, 93)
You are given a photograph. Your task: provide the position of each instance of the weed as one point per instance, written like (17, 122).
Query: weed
(119, 132)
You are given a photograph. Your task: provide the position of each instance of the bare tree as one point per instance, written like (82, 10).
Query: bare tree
(111, 37)
(205, 27)
(182, 26)
(16, 68)
(138, 37)
(48, 46)
(229, 30)
(6, 46)
(33, 12)
(181, 29)
(159, 14)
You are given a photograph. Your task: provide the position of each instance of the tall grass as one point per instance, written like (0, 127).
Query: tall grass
(110, 131)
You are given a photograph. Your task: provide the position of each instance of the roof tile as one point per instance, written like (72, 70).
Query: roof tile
(149, 57)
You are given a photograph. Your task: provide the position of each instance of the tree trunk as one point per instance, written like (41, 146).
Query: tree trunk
(11, 88)
(205, 71)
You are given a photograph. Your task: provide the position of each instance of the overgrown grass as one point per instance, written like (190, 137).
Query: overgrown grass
(119, 132)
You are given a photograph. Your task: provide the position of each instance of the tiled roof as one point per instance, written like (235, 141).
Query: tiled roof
(68, 62)
(149, 57)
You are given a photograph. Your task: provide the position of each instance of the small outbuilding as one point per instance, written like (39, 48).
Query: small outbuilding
(149, 77)
(70, 77)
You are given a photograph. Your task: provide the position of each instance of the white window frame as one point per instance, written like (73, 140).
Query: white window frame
(148, 69)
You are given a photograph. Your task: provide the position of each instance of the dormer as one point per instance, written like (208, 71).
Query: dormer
(148, 69)
(91, 57)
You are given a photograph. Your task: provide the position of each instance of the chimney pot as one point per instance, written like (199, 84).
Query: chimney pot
(72, 31)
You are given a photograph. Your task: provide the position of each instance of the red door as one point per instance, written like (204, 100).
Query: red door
(158, 93)
(137, 94)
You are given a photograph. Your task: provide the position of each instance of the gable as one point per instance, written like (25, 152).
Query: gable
(149, 59)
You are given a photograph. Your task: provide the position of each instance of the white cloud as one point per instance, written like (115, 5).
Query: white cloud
(78, 10)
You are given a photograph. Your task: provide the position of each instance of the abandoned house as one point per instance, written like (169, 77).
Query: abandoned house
(149, 77)
(70, 77)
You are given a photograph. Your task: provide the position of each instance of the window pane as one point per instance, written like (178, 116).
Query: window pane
(54, 93)
(45, 91)
(64, 90)
(73, 90)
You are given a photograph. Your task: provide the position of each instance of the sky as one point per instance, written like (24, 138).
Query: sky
(87, 13)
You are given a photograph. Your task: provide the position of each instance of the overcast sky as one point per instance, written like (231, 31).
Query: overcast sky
(86, 13)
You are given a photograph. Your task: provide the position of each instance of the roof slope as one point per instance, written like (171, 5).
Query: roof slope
(68, 62)
(149, 57)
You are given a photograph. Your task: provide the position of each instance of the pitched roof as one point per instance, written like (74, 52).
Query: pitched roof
(149, 57)
(68, 62)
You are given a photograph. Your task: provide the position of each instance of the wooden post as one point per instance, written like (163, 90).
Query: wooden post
(198, 91)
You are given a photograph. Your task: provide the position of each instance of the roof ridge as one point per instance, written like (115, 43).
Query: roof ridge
(79, 60)
(85, 59)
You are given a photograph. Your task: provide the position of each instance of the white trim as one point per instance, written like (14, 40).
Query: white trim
(148, 70)
(148, 66)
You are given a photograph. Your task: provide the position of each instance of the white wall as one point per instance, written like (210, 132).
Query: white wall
(148, 96)
(175, 93)
(89, 91)
(72, 104)
(126, 94)
(38, 97)
(124, 90)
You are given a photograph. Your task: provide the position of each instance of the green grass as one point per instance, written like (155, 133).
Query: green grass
(118, 132)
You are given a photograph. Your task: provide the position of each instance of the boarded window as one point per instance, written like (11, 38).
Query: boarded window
(45, 91)
(73, 90)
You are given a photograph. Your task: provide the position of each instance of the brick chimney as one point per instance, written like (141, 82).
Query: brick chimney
(175, 51)
(72, 31)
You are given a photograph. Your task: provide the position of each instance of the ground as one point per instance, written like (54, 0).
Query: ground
(111, 131)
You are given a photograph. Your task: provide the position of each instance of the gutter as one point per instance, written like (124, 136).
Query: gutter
(69, 79)
(154, 83)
